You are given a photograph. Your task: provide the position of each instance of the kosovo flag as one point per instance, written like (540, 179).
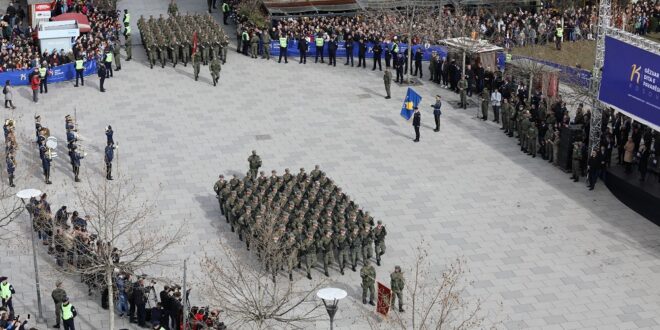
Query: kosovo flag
(412, 100)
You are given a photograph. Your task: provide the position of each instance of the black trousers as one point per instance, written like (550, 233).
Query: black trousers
(8, 103)
(387, 60)
(68, 324)
(418, 67)
(399, 74)
(377, 60)
(319, 52)
(416, 133)
(349, 56)
(437, 121)
(131, 311)
(108, 170)
(283, 53)
(43, 85)
(225, 15)
(303, 56)
(362, 61)
(101, 84)
(332, 58)
(108, 69)
(141, 314)
(79, 74)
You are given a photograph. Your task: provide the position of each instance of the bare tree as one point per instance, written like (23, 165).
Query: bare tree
(252, 293)
(435, 303)
(120, 235)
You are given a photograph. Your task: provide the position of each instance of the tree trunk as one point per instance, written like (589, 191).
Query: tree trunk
(529, 91)
(463, 72)
(111, 300)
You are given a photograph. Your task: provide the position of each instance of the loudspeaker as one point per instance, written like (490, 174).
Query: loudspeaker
(567, 136)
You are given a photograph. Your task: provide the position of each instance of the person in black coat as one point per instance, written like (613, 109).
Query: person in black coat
(302, 48)
(102, 71)
(332, 51)
(643, 154)
(378, 50)
(593, 168)
(417, 121)
(362, 53)
(419, 55)
(349, 50)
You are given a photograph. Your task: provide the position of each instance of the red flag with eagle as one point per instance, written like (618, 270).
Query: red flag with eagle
(194, 43)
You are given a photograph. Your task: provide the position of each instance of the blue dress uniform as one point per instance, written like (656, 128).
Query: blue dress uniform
(417, 118)
(437, 113)
(108, 134)
(76, 157)
(45, 162)
(109, 155)
(11, 167)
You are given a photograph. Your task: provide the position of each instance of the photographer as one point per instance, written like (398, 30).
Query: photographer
(6, 323)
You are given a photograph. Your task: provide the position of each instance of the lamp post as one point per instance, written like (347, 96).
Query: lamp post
(23, 195)
(330, 298)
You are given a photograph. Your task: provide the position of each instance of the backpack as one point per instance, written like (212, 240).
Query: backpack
(4, 90)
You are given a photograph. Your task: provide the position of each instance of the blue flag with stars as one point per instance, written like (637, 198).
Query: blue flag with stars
(412, 100)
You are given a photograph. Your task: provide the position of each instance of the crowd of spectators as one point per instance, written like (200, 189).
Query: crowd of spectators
(20, 51)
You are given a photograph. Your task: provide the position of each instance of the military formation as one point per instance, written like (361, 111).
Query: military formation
(197, 39)
(313, 219)
(10, 149)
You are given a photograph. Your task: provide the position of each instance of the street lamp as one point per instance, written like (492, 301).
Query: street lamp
(27, 194)
(331, 297)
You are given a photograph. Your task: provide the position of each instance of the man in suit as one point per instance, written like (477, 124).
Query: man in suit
(417, 120)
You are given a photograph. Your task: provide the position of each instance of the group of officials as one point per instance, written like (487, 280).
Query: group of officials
(185, 38)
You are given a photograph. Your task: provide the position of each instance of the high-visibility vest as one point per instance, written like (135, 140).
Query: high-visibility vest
(127, 30)
(127, 18)
(67, 313)
(108, 57)
(79, 64)
(319, 41)
(508, 58)
(560, 32)
(245, 36)
(283, 42)
(225, 7)
(42, 72)
(5, 292)
(395, 48)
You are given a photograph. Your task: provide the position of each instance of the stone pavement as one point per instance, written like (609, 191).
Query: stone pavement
(555, 255)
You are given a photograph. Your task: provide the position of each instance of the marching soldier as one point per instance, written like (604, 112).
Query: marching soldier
(215, 68)
(11, 167)
(45, 162)
(255, 163)
(396, 284)
(368, 275)
(162, 51)
(379, 239)
(367, 243)
(223, 50)
(174, 48)
(196, 59)
(184, 48)
(343, 244)
(109, 155)
(309, 246)
(218, 187)
(204, 46)
(291, 252)
(151, 52)
(172, 9)
(326, 245)
(356, 246)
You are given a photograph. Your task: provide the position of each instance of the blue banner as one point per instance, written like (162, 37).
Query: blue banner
(410, 103)
(631, 81)
(58, 74)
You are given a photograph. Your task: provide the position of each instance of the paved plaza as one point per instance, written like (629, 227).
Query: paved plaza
(550, 253)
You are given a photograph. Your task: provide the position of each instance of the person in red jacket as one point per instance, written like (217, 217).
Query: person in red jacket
(35, 82)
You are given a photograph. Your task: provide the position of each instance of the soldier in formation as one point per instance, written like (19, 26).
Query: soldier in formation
(171, 38)
(303, 216)
(10, 149)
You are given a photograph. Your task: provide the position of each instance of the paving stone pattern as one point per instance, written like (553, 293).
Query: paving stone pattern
(553, 254)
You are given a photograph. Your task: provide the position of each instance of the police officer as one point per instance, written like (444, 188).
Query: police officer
(368, 275)
(437, 112)
(6, 292)
(362, 53)
(109, 155)
(283, 48)
(43, 75)
(225, 12)
(332, 51)
(417, 121)
(419, 56)
(398, 66)
(318, 42)
(303, 45)
(349, 49)
(107, 61)
(387, 78)
(68, 315)
(559, 35)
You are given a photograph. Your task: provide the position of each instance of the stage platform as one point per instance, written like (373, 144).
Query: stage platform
(641, 196)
